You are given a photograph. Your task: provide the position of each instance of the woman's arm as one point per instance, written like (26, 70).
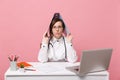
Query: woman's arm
(71, 53)
(43, 52)
(43, 56)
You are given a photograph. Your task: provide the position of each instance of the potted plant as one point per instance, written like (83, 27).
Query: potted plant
(21, 65)
(22, 68)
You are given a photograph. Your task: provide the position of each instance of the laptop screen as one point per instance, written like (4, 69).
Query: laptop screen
(95, 60)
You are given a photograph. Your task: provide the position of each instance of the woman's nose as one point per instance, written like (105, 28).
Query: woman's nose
(57, 28)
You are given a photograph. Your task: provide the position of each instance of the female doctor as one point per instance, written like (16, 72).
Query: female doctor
(55, 46)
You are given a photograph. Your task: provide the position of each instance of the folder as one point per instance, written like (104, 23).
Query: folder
(26, 64)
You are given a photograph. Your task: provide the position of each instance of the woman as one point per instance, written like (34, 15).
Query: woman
(57, 47)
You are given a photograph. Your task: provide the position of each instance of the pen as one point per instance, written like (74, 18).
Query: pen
(30, 69)
(16, 58)
(9, 58)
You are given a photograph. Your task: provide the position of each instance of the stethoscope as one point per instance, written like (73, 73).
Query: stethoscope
(64, 47)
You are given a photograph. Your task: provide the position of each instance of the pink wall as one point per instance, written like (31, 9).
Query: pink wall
(93, 23)
(117, 60)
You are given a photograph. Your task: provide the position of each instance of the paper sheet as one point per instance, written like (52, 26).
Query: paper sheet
(47, 68)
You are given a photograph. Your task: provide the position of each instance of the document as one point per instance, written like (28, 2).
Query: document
(48, 68)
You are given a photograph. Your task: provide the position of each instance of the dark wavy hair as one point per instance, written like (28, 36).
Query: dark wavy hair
(55, 19)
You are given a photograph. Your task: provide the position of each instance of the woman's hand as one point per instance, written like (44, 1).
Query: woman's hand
(69, 38)
(45, 38)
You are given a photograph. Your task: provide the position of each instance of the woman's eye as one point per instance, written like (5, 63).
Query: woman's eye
(54, 26)
(60, 26)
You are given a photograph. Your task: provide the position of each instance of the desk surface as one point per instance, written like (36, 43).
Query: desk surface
(53, 71)
(51, 68)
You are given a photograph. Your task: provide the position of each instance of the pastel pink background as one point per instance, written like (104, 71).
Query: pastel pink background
(93, 24)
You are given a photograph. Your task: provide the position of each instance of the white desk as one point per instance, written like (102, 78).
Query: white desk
(55, 71)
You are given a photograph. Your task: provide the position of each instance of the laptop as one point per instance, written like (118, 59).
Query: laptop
(93, 61)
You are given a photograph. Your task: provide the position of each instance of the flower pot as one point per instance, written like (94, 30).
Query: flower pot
(21, 69)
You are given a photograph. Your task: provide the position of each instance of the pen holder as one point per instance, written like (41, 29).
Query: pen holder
(13, 65)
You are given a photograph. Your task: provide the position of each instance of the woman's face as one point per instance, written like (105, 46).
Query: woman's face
(57, 29)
